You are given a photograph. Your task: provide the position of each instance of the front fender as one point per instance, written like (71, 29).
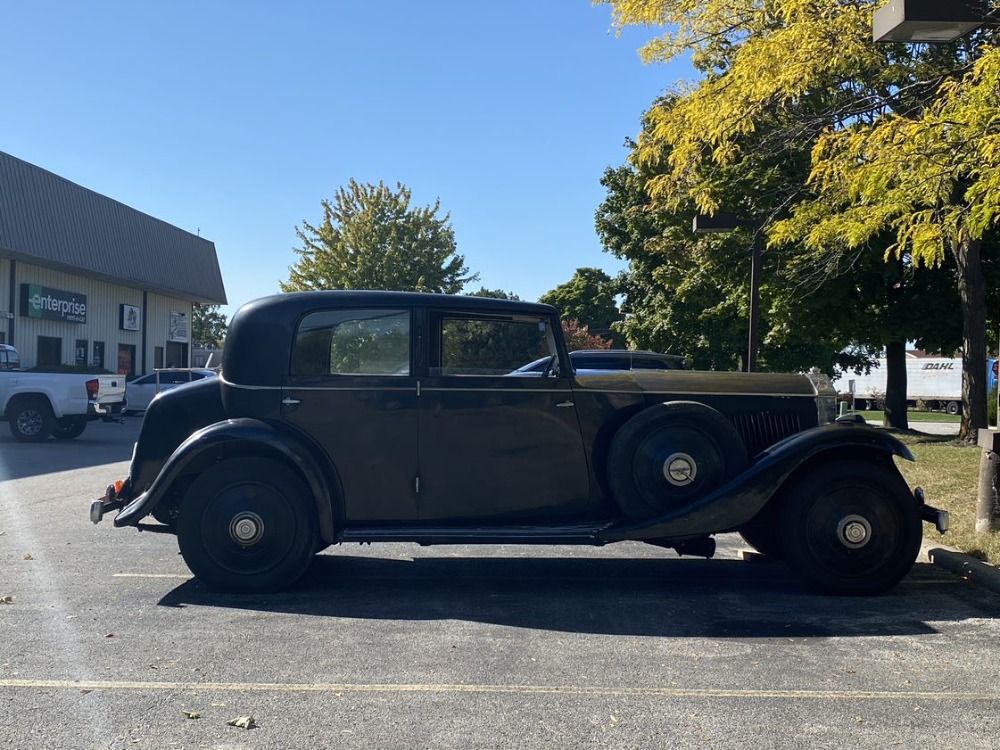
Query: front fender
(744, 496)
(235, 437)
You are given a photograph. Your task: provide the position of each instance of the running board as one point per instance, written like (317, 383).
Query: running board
(429, 535)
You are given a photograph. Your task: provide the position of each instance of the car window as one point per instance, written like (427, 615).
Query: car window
(353, 342)
(640, 363)
(144, 380)
(173, 378)
(197, 375)
(601, 363)
(483, 346)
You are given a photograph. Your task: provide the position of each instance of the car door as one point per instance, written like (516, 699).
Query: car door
(351, 389)
(494, 445)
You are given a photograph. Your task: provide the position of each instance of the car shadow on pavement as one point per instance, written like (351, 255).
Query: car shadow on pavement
(647, 596)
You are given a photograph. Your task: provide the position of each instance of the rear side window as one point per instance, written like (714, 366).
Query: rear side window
(353, 342)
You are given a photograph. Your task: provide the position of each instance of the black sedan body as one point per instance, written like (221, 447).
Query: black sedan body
(381, 416)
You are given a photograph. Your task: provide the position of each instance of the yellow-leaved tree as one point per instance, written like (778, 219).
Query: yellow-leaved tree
(904, 138)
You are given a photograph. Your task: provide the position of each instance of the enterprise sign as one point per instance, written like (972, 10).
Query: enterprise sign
(53, 304)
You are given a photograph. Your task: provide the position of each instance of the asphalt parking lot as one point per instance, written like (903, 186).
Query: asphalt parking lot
(107, 642)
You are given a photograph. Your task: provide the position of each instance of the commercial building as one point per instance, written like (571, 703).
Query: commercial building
(86, 280)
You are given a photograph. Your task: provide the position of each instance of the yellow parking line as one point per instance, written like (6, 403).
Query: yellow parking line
(653, 692)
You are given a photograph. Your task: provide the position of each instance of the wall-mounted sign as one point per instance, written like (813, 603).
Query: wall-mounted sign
(178, 327)
(129, 317)
(53, 304)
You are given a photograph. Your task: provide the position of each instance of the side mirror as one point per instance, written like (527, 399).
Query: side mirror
(552, 368)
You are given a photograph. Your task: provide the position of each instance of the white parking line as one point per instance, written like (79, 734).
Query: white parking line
(152, 575)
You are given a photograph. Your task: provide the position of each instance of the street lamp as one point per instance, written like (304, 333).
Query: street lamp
(934, 21)
(929, 21)
(718, 223)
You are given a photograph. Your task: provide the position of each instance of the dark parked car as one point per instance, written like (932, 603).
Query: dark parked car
(382, 416)
(610, 359)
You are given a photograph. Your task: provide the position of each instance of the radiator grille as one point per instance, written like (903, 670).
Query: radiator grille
(763, 429)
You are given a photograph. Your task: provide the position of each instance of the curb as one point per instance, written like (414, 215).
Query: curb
(965, 566)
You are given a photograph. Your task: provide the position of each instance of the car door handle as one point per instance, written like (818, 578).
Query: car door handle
(565, 404)
(290, 401)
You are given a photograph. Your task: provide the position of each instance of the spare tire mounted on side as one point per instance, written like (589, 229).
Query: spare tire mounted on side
(671, 454)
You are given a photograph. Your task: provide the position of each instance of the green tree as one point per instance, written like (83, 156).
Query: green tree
(588, 298)
(372, 238)
(494, 294)
(208, 326)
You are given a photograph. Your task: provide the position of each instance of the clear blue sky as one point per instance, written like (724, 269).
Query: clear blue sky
(236, 119)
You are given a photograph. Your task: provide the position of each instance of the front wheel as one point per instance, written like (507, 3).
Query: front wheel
(247, 525)
(850, 527)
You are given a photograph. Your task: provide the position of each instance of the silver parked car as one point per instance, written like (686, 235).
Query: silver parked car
(142, 390)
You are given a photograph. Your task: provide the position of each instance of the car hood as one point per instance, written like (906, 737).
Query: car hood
(697, 382)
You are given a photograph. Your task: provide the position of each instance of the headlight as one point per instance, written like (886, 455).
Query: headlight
(826, 396)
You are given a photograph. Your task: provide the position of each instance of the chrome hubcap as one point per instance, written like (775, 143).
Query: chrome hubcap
(680, 469)
(854, 532)
(246, 529)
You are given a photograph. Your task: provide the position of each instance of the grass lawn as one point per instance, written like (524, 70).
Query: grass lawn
(913, 416)
(948, 470)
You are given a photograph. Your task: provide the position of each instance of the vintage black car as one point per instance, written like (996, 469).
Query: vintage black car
(380, 417)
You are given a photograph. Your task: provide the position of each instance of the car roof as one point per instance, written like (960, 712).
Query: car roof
(260, 333)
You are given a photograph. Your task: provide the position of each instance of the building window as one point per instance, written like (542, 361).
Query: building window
(98, 360)
(126, 359)
(49, 351)
(158, 357)
(81, 352)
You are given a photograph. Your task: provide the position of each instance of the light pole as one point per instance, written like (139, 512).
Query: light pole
(936, 22)
(719, 223)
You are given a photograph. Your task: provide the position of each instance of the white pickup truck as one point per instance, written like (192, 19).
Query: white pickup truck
(39, 404)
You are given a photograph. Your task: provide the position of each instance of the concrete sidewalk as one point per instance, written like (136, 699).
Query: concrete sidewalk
(930, 428)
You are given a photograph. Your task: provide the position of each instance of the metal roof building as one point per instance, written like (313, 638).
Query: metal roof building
(87, 280)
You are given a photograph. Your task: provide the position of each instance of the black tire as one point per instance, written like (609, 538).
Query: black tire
(247, 525)
(850, 527)
(31, 420)
(953, 408)
(671, 454)
(69, 428)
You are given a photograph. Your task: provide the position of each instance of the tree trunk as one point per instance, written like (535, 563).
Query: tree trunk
(895, 386)
(972, 292)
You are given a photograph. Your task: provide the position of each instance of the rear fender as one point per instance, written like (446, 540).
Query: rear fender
(239, 437)
(740, 499)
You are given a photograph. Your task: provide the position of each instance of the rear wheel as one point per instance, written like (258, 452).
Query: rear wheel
(31, 420)
(247, 525)
(68, 428)
(953, 407)
(850, 527)
(671, 454)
